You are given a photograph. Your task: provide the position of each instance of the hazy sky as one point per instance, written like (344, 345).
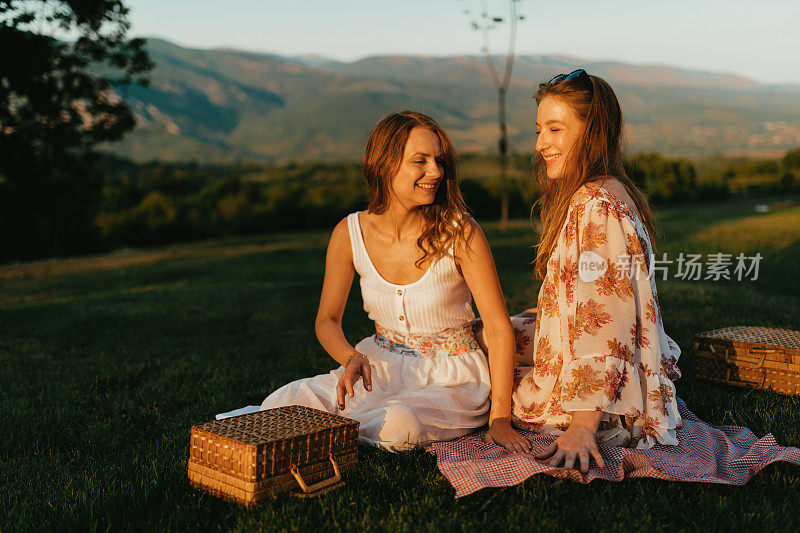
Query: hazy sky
(757, 39)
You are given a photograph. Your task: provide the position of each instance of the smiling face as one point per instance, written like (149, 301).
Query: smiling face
(558, 128)
(421, 169)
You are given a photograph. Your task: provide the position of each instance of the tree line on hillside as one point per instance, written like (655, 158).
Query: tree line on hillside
(160, 203)
(668, 179)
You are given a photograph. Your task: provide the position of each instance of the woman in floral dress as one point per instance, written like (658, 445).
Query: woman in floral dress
(598, 366)
(603, 365)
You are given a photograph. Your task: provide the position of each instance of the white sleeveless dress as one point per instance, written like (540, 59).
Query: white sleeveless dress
(430, 379)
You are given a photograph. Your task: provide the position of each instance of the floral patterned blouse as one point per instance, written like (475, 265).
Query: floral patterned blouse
(599, 342)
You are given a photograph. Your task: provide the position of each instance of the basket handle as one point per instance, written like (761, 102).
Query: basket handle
(760, 364)
(316, 487)
(723, 357)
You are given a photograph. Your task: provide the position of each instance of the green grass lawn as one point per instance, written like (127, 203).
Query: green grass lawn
(108, 361)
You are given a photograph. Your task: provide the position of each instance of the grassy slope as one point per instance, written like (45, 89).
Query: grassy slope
(106, 362)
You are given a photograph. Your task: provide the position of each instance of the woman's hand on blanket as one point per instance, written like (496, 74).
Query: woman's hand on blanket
(358, 367)
(500, 432)
(577, 442)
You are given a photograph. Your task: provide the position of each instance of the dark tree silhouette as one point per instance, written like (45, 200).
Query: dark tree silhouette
(59, 64)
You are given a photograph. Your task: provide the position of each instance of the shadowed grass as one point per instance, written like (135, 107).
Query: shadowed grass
(105, 366)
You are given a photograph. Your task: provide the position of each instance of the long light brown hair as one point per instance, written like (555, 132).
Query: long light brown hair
(445, 220)
(596, 154)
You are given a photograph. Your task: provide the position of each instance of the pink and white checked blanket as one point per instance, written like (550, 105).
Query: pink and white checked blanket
(727, 454)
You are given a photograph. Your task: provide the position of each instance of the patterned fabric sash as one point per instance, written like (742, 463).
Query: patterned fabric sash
(446, 343)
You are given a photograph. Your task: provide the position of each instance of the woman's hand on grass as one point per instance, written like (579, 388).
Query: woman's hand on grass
(357, 368)
(500, 432)
(576, 443)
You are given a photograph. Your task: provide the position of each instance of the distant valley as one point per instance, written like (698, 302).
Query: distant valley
(224, 106)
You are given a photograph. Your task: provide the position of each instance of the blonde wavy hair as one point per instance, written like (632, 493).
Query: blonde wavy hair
(596, 154)
(445, 220)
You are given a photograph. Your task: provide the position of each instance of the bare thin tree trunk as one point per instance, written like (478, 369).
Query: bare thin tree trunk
(502, 87)
(502, 146)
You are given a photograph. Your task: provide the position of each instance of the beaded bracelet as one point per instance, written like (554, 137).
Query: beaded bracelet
(354, 354)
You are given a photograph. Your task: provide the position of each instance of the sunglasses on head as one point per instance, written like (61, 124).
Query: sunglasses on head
(566, 77)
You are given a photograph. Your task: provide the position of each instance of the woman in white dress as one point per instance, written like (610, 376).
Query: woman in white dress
(422, 377)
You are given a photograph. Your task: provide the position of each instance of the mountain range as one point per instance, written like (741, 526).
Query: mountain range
(226, 106)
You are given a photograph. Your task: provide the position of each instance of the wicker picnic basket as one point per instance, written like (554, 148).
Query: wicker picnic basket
(749, 356)
(251, 457)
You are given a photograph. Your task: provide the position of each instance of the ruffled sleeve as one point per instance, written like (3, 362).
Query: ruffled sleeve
(619, 361)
